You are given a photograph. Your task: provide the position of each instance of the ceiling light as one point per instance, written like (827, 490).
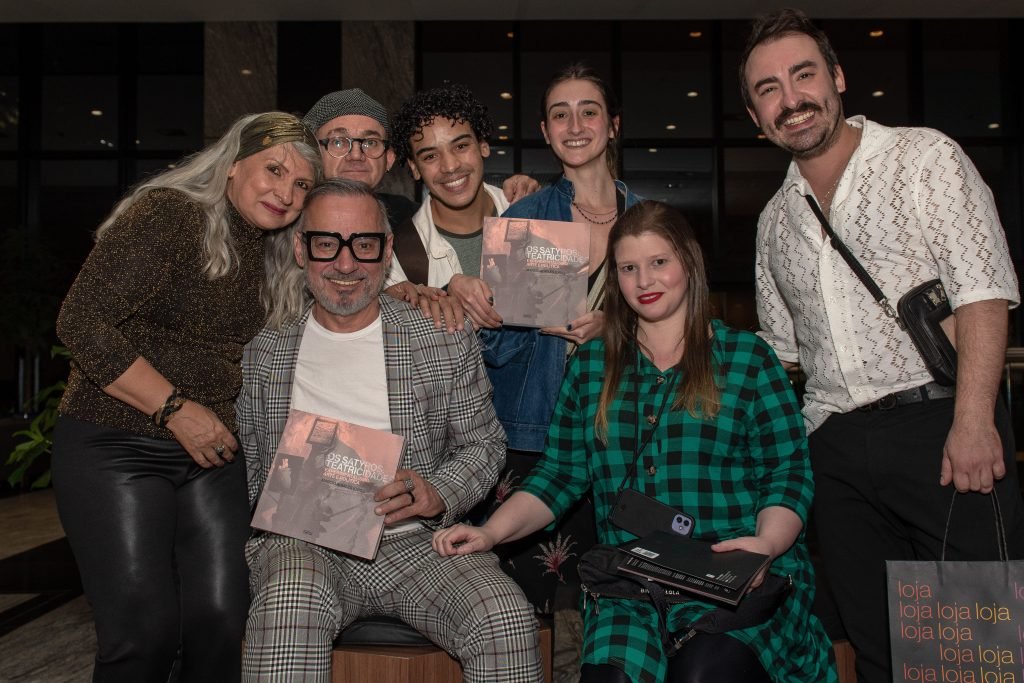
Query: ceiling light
(762, 136)
(877, 33)
(510, 34)
(670, 126)
(503, 127)
(96, 112)
(695, 34)
(246, 72)
(652, 150)
(505, 95)
(692, 93)
(878, 93)
(993, 126)
(501, 152)
(172, 166)
(102, 141)
(503, 137)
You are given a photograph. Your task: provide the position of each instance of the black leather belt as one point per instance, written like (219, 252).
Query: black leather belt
(925, 392)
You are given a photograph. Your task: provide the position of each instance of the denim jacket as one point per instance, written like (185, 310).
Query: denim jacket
(526, 367)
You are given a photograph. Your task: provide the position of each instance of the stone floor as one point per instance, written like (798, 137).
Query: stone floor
(46, 631)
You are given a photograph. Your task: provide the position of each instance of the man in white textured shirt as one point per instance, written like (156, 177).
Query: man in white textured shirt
(886, 440)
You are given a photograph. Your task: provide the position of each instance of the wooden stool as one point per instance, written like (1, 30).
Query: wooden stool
(845, 659)
(410, 663)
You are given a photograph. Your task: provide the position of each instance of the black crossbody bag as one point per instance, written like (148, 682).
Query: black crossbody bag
(919, 312)
(600, 578)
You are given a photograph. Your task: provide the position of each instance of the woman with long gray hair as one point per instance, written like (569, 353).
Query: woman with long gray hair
(148, 490)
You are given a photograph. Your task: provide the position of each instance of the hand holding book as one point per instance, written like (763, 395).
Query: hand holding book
(751, 544)
(408, 496)
(581, 330)
(777, 530)
(476, 298)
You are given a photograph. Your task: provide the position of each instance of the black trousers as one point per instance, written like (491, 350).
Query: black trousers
(877, 497)
(159, 543)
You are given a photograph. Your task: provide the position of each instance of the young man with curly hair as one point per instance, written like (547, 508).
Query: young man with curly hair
(442, 134)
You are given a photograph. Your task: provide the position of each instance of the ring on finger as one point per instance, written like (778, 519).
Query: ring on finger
(219, 449)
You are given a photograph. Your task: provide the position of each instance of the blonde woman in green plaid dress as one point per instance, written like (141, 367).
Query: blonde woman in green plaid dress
(729, 449)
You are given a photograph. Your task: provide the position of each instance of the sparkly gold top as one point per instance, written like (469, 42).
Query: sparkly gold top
(142, 292)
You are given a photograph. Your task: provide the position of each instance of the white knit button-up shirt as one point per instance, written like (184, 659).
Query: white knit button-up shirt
(911, 207)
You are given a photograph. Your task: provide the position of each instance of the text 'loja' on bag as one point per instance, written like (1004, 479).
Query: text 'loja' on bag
(958, 621)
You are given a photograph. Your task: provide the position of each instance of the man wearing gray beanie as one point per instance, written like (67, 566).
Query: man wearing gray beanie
(354, 133)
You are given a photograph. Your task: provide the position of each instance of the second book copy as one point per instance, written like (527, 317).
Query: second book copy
(537, 270)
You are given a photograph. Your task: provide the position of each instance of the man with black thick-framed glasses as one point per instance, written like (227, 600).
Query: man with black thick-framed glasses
(355, 355)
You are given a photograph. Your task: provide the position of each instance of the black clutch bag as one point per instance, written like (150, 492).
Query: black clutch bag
(922, 311)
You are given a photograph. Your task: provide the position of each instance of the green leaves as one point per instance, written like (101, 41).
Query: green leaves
(37, 440)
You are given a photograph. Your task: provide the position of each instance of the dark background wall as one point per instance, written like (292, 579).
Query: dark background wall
(86, 110)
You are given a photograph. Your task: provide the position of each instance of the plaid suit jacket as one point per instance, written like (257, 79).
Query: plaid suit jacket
(438, 394)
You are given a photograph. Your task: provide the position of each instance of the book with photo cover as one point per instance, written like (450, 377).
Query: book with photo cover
(690, 565)
(537, 270)
(321, 485)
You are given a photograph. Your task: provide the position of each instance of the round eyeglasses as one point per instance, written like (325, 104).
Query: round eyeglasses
(366, 247)
(339, 147)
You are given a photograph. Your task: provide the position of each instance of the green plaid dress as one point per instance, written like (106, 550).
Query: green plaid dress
(753, 455)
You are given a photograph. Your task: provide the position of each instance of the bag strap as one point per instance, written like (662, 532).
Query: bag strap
(1000, 527)
(411, 252)
(854, 264)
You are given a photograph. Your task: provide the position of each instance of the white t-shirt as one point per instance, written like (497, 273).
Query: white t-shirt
(342, 375)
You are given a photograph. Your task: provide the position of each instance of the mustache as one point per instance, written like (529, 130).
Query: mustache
(357, 274)
(798, 109)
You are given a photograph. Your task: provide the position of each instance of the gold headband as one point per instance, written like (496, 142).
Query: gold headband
(272, 128)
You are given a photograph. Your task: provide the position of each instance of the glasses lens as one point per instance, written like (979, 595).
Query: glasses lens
(366, 247)
(323, 246)
(372, 147)
(339, 147)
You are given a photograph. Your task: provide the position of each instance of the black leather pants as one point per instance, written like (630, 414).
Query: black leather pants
(159, 543)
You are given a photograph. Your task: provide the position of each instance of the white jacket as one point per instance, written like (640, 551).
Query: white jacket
(441, 257)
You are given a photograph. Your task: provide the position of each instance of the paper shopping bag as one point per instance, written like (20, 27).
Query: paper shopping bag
(957, 621)
(960, 622)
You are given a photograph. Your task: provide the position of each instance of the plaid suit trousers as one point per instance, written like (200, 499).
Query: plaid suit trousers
(304, 595)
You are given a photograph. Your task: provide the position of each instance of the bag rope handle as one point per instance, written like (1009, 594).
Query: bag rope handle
(1000, 528)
